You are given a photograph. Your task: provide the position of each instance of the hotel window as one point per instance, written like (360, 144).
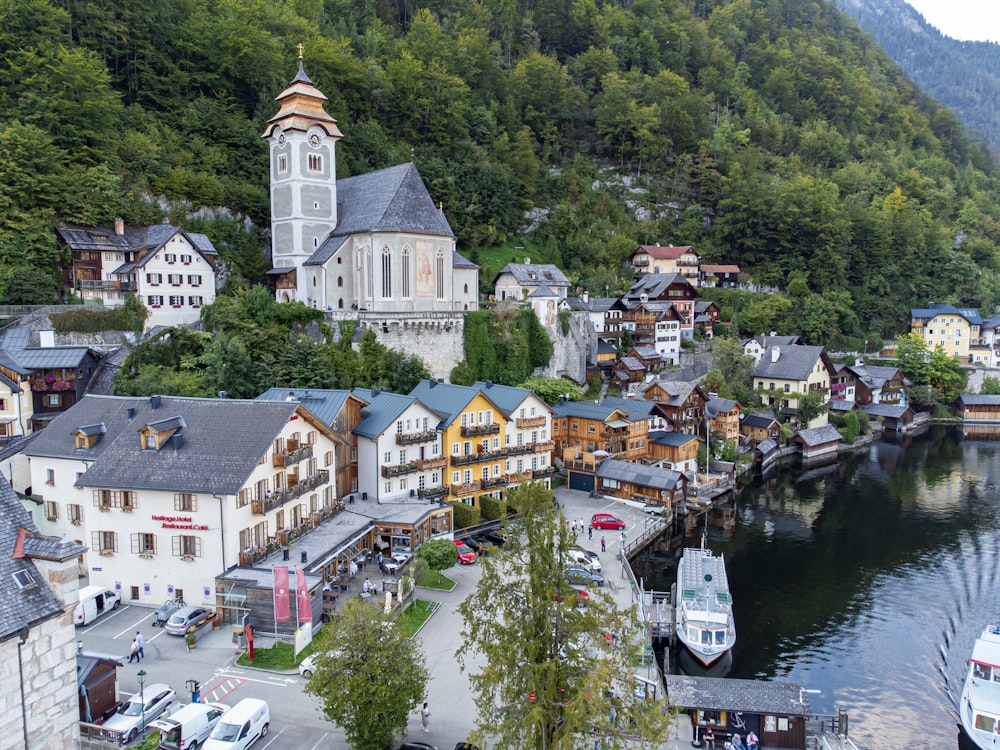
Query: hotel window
(387, 458)
(50, 476)
(175, 279)
(186, 502)
(315, 163)
(155, 300)
(405, 275)
(51, 510)
(74, 514)
(143, 544)
(170, 258)
(194, 279)
(176, 300)
(186, 546)
(386, 273)
(154, 279)
(105, 542)
(388, 486)
(186, 260)
(196, 300)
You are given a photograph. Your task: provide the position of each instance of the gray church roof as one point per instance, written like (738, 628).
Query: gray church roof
(639, 474)
(34, 602)
(387, 200)
(223, 441)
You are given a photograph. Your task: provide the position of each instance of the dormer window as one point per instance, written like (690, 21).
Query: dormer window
(88, 434)
(155, 435)
(23, 579)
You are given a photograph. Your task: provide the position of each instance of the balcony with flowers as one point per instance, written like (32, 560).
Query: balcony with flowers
(51, 383)
(399, 469)
(412, 438)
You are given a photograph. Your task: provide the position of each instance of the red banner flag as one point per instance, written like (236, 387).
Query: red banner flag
(281, 603)
(303, 605)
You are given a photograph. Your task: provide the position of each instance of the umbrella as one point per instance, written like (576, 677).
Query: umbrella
(601, 453)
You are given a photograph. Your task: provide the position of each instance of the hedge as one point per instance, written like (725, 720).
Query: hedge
(492, 509)
(465, 515)
(95, 321)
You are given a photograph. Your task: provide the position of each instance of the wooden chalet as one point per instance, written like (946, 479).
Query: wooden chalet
(583, 427)
(715, 275)
(982, 408)
(606, 354)
(759, 427)
(817, 442)
(706, 316)
(628, 370)
(878, 385)
(674, 450)
(776, 711)
(648, 356)
(724, 417)
(638, 482)
(683, 402)
(896, 417)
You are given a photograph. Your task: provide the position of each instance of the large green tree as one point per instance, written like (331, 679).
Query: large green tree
(551, 678)
(368, 675)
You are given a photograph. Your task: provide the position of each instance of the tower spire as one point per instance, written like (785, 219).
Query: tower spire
(301, 75)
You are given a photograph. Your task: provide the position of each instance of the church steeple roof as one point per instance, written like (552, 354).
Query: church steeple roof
(302, 107)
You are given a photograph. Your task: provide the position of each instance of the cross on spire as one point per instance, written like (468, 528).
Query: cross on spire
(300, 49)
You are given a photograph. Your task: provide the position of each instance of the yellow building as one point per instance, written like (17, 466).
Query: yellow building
(16, 406)
(683, 260)
(956, 330)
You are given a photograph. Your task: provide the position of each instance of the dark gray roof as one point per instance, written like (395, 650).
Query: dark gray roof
(51, 548)
(757, 420)
(16, 446)
(841, 405)
(593, 304)
(632, 363)
(445, 399)
(644, 476)
(223, 441)
(460, 261)
(892, 411)
(701, 306)
(767, 446)
(324, 403)
(748, 696)
(605, 347)
(971, 314)
(535, 274)
(90, 430)
(506, 397)
(543, 290)
(678, 390)
(654, 285)
(133, 239)
(36, 602)
(646, 352)
(819, 435)
(794, 362)
(720, 406)
(384, 409)
(17, 354)
(672, 439)
(980, 399)
(585, 410)
(637, 409)
(387, 200)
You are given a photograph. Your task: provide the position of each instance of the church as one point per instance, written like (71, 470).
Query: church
(362, 245)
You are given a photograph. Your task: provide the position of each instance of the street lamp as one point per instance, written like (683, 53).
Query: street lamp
(141, 676)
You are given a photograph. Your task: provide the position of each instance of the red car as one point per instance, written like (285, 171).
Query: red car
(606, 521)
(465, 555)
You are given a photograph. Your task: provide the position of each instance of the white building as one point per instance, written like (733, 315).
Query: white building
(374, 242)
(517, 281)
(169, 492)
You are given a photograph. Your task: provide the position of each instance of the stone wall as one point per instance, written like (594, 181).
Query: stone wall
(572, 351)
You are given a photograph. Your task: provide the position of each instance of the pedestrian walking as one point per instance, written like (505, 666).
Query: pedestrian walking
(380, 559)
(603, 546)
(590, 533)
(425, 716)
(133, 653)
(140, 642)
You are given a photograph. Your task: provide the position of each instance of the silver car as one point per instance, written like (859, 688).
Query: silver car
(128, 719)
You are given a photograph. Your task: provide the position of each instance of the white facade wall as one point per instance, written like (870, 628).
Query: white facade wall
(531, 408)
(668, 340)
(175, 284)
(385, 451)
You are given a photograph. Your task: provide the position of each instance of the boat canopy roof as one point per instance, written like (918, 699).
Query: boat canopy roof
(987, 648)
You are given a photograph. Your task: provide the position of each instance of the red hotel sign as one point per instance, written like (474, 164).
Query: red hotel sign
(180, 522)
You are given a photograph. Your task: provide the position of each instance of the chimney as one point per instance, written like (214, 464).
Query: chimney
(586, 297)
(223, 394)
(527, 260)
(489, 383)
(154, 402)
(46, 338)
(775, 353)
(176, 441)
(119, 226)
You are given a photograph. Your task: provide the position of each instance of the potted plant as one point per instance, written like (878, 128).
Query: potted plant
(190, 638)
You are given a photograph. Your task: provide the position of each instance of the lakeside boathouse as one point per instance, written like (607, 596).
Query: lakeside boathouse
(976, 407)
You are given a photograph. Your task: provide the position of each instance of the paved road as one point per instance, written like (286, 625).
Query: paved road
(296, 720)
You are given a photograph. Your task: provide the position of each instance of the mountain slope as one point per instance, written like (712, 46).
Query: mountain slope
(962, 75)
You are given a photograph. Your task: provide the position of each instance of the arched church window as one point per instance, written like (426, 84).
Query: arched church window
(439, 274)
(340, 303)
(340, 281)
(405, 273)
(386, 273)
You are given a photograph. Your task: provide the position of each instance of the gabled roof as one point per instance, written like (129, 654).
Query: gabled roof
(664, 253)
(447, 400)
(767, 446)
(654, 285)
(132, 239)
(17, 354)
(713, 268)
(605, 347)
(383, 410)
(677, 390)
(757, 420)
(818, 435)
(534, 274)
(980, 399)
(588, 410)
(223, 441)
(639, 474)
(841, 405)
(647, 352)
(592, 304)
(717, 405)
(792, 363)
(971, 314)
(631, 363)
(748, 696)
(35, 602)
(892, 411)
(672, 439)
(324, 403)
(871, 375)
(386, 200)
(637, 409)
(543, 291)
(703, 305)
(506, 397)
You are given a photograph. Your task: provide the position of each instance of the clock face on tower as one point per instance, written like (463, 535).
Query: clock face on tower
(314, 140)
(281, 139)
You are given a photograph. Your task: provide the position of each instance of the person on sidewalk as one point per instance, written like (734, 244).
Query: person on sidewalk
(425, 716)
(590, 533)
(140, 642)
(603, 547)
(133, 652)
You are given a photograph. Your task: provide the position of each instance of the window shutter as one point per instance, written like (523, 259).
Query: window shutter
(176, 545)
(136, 549)
(197, 546)
(95, 541)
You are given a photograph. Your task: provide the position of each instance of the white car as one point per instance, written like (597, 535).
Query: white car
(584, 560)
(128, 719)
(307, 666)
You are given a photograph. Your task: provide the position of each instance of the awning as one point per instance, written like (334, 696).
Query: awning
(617, 423)
(349, 547)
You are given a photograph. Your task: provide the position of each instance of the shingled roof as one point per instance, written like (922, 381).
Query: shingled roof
(790, 362)
(17, 353)
(748, 696)
(535, 274)
(639, 474)
(394, 199)
(223, 441)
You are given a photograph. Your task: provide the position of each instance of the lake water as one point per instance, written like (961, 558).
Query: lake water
(867, 580)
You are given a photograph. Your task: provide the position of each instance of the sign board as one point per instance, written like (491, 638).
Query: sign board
(303, 637)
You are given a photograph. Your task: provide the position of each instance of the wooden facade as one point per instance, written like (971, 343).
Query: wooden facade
(973, 407)
(757, 428)
(585, 431)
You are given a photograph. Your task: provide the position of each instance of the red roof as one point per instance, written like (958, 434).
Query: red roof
(666, 253)
(720, 269)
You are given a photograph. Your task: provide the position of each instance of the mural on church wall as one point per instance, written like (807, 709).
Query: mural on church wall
(425, 268)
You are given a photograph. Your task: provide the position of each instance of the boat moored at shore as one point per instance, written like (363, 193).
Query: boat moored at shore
(979, 708)
(703, 605)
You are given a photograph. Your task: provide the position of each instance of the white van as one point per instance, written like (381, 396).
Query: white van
(188, 727)
(242, 725)
(94, 602)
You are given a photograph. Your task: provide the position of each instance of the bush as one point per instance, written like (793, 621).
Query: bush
(95, 321)
(492, 509)
(465, 515)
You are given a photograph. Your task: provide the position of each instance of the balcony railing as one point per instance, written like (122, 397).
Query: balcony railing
(432, 493)
(640, 262)
(412, 438)
(276, 498)
(579, 465)
(438, 462)
(106, 285)
(496, 482)
(474, 458)
(478, 430)
(399, 469)
(287, 536)
(292, 457)
(526, 423)
(467, 489)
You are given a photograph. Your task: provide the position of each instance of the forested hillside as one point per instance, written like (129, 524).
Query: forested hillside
(963, 75)
(773, 134)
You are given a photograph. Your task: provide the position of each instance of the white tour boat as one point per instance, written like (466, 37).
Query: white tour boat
(703, 607)
(980, 705)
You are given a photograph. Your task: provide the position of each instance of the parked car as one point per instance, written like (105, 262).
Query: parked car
(147, 706)
(591, 555)
(583, 577)
(582, 559)
(494, 537)
(186, 618)
(94, 602)
(574, 594)
(477, 546)
(189, 727)
(654, 509)
(465, 554)
(606, 521)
